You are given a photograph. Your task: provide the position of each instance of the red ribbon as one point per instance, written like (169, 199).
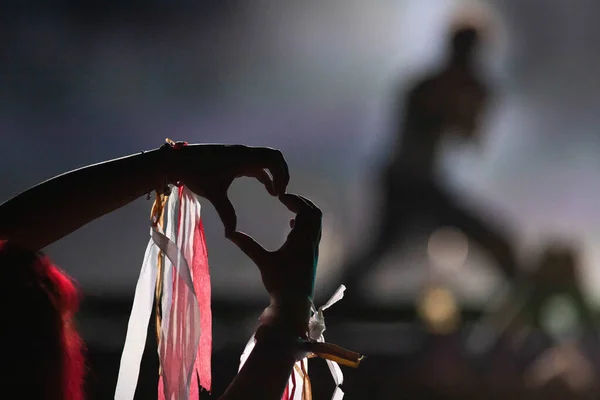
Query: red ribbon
(201, 278)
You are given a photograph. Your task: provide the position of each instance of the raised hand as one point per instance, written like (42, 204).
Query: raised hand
(209, 169)
(289, 273)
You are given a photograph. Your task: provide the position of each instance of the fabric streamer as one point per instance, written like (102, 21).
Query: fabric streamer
(316, 327)
(175, 274)
(299, 387)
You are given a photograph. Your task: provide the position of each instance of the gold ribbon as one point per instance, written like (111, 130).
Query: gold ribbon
(158, 218)
(328, 351)
(333, 352)
(306, 385)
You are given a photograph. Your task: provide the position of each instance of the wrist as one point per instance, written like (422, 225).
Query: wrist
(291, 313)
(174, 155)
(282, 334)
(282, 338)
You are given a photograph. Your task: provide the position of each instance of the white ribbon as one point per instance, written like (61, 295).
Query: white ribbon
(180, 329)
(316, 327)
(137, 329)
(182, 333)
(170, 214)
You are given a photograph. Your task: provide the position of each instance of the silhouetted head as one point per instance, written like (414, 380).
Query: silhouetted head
(464, 41)
(559, 261)
(42, 355)
(560, 253)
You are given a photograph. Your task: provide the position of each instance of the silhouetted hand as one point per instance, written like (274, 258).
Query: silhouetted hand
(208, 170)
(289, 273)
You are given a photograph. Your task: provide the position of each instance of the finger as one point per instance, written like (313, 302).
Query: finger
(278, 167)
(316, 215)
(249, 246)
(305, 209)
(225, 210)
(310, 203)
(294, 203)
(263, 177)
(308, 223)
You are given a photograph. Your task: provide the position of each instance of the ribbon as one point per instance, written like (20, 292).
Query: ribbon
(137, 327)
(183, 293)
(299, 386)
(316, 327)
(293, 390)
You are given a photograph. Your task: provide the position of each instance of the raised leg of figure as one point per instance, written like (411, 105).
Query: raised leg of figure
(389, 233)
(492, 241)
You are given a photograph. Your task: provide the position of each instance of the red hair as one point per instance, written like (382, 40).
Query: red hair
(44, 352)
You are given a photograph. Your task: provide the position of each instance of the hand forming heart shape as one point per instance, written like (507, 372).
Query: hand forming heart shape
(289, 273)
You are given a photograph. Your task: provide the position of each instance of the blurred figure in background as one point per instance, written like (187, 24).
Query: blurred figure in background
(449, 102)
(550, 308)
(558, 273)
(565, 361)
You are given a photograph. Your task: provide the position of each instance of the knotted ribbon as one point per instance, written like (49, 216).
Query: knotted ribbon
(299, 387)
(175, 273)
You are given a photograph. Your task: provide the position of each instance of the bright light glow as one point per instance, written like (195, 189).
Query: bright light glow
(448, 248)
(559, 317)
(439, 310)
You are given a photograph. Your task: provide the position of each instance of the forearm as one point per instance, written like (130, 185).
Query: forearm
(268, 368)
(265, 374)
(61, 205)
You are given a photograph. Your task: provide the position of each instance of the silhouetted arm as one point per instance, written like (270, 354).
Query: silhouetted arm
(288, 275)
(265, 373)
(57, 207)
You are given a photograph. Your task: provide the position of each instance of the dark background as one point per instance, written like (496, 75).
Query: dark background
(83, 82)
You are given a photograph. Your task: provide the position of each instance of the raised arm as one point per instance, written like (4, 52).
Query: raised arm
(289, 276)
(57, 207)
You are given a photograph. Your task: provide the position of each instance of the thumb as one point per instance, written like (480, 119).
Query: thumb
(249, 246)
(226, 211)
